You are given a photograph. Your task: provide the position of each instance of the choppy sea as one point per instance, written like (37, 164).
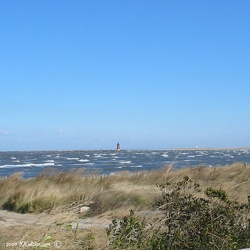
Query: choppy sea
(32, 163)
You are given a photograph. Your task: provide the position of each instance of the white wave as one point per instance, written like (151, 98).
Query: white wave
(191, 156)
(80, 164)
(83, 160)
(165, 155)
(245, 151)
(125, 162)
(97, 155)
(139, 166)
(218, 152)
(73, 159)
(228, 155)
(28, 165)
(87, 155)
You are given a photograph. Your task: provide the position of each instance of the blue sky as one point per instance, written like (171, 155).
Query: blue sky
(86, 74)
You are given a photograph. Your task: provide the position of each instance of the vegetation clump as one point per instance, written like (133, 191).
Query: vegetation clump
(189, 220)
(191, 208)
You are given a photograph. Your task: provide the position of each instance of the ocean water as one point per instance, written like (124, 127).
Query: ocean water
(32, 163)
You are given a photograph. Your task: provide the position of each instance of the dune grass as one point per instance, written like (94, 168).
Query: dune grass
(62, 194)
(53, 190)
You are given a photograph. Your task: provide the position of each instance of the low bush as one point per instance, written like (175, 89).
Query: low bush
(190, 220)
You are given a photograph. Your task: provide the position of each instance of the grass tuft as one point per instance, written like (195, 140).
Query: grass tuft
(53, 190)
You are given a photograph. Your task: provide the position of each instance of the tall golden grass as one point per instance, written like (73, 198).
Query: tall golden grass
(60, 194)
(61, 190)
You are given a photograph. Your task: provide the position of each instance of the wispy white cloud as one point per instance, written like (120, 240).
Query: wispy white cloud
(4, 132)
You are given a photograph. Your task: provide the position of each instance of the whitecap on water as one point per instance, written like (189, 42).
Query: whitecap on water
(124, 162)
(97, 155)
(83, 160)
(228, 155)
(28, 165)
(165, 155)
(73, 159)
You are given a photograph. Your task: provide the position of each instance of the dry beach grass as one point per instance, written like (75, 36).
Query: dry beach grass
(55, 199)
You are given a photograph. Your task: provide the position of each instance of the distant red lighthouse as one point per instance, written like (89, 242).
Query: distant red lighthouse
(118, 147)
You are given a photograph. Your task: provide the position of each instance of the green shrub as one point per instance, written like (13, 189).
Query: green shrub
(189, 221)
(127, 233)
